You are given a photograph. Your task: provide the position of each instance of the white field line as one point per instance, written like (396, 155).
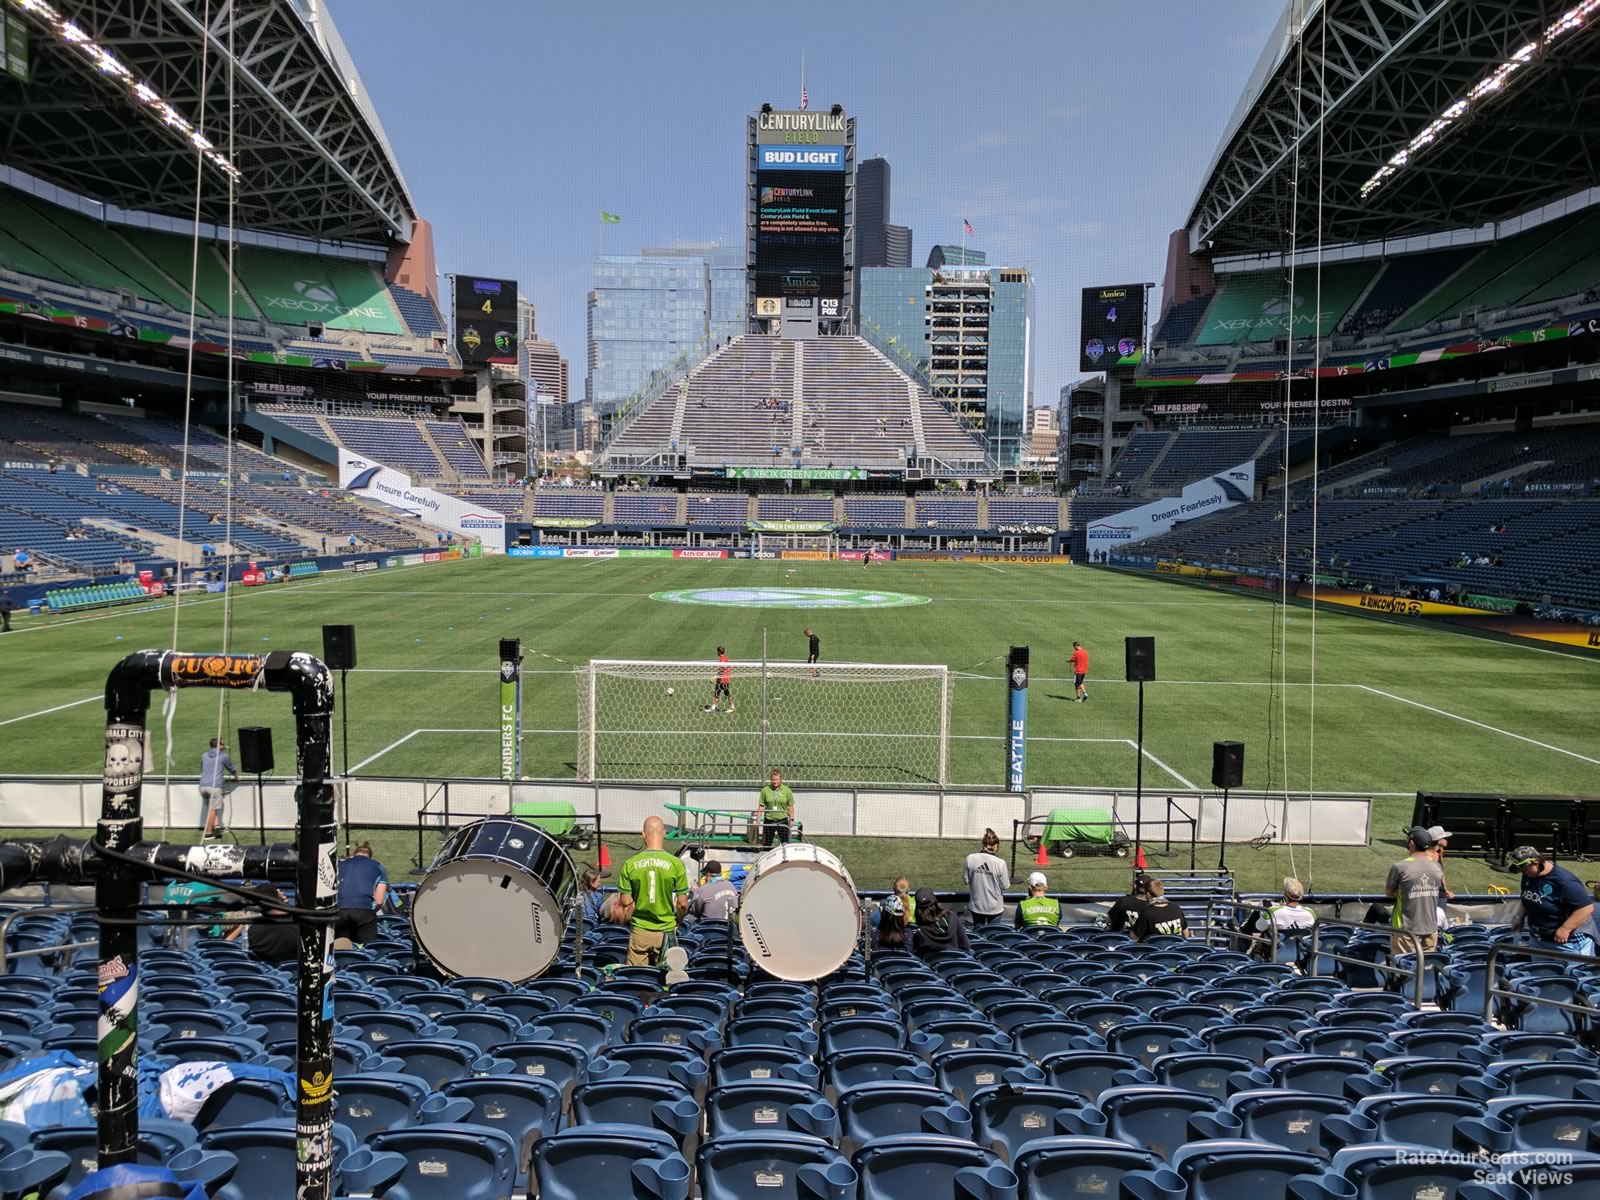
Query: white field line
(1481, 725)
(44, 712)
(1135, 745)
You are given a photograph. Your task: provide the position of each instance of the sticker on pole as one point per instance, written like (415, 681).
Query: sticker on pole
(789, 597)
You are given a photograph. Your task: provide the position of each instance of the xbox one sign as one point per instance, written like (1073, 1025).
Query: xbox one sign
(319, 300)
(789, 597)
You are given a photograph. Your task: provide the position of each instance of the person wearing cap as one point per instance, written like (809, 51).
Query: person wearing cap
(1557, 910)
(1127, 909)
(1038, 911)
(363, 887)
(715, 898)
(1415, 884)
(936, 929)
(1291, 915)
(987, 880)
(1441, 842)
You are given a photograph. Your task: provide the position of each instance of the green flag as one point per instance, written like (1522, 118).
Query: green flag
(610, 218)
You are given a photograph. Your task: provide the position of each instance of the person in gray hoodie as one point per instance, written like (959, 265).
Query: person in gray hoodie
(936, 929)
(987, 880)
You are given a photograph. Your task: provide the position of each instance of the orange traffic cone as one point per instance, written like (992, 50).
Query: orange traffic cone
(605, 857)
(1138, 857)
(1042, 859)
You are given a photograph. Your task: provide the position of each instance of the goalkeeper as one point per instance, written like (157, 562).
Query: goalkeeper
(723, 688)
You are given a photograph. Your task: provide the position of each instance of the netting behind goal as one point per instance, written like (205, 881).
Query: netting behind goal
(833, 723)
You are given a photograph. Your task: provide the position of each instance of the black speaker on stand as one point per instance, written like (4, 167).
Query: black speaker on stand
(1227, 772)
(1139, 660)
(339, 653)
(255, 758)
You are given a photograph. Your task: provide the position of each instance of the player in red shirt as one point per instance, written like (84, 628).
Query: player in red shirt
(724, 684)
(1080, 671)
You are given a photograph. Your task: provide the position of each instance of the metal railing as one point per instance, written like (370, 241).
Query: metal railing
(7, 954)
(1490, 991)
(1418, 974)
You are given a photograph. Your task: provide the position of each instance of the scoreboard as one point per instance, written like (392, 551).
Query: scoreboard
(1112, 330)
(486, 319)
(802, 168)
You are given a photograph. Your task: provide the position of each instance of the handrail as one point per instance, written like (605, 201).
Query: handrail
(1272, 940)
(1490, 991)
(1419, 975)
(5, 930)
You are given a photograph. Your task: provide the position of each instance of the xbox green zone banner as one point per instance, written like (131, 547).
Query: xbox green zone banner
(510, 708)
(796, 473)
(374, 481)
(791, 526)
(1222, 490)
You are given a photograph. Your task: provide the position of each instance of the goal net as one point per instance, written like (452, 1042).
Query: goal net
(839, 724)
(820, 545)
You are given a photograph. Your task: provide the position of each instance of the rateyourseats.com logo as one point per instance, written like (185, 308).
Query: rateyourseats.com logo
(786, 597)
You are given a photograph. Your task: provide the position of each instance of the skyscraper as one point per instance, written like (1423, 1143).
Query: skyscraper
(647, 312)
(897, 243)
(872, 214)
(955, 256)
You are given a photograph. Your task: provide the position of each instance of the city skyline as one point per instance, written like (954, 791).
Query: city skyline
(1063, 164)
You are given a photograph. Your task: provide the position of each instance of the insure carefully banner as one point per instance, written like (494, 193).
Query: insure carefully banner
(1222, 490)
(374, 481)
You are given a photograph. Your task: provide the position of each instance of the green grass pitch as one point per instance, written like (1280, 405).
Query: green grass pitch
(1379, 708)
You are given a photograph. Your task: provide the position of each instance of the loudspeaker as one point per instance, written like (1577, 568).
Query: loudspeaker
(1141, 659)
(339, 647)
(1227, 764)
(255, 749)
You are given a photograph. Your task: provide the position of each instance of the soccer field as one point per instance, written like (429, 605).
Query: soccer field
(1393, 708)
(1384, 708)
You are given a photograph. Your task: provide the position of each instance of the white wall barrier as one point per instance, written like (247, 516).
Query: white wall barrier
(961, 815)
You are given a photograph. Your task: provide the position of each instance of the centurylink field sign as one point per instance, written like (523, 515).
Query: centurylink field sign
(789, 597)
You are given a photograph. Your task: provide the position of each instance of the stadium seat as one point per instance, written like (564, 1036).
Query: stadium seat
(1536, 1123)
(883, 1109)
(852, 1067)
(912, 1167)
(1216, 1075)
(862, 1033)
(1153, 1118)
(1226, 1169)
(773, 1167)
(769, 1107)
(973, 1034)
(1533, 1077)
(266, 1158)
(964, 1073)
(1004, 1118)
(1088, 1074)
(654, 1060)
(525, 1109)
(450, 1162)
(1401, 1171)
(771, 1031)
(773, 1062)
(650, 1103)
(589, 1030)
(436, 1061)
(619, 1162)
(1149, 1040)
(370, 1102)
(1300, 1121)
(1429, 1076)
(28, 1172)
(1417, 1118)
(561, 1063)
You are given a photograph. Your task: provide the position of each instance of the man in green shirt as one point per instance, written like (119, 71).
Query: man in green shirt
(777, 810)
(654, 893)
(1038, 910)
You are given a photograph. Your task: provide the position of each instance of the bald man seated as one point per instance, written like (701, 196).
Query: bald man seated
(654, 887)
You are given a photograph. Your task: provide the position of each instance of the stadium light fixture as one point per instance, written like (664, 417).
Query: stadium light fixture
(1487, 88)
(143, 95)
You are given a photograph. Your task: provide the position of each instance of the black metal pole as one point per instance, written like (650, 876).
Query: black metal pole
(344, 752)
(1138, 783)
(261, 811)
(1222, 847)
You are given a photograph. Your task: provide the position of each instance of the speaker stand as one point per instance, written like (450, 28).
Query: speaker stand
(1222, 842)
(1138, 784)
(261, 811)
(344, 752)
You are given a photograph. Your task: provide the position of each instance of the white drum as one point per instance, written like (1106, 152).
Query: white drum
(799, 917)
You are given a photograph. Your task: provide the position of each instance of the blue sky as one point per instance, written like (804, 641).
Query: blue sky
(1072, 134)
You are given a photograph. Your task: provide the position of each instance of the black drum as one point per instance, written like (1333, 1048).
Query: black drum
(495, 901)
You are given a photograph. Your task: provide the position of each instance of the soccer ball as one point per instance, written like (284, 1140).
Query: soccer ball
(670, 691)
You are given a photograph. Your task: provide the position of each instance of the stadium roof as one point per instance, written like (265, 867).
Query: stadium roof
(1396, 74)
(311, 157)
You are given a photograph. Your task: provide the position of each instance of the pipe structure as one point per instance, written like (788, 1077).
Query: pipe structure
(128, 862)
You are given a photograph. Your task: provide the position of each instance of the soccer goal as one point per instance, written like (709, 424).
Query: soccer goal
(838, 724)
(772, 545)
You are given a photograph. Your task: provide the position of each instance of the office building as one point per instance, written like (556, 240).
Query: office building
(1083, 451)
(965, 332)
(648, 313)
(897, 246)
(727, 274)
(956, 256)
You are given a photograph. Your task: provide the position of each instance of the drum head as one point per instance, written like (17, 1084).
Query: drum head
(473, 917)
(799, 918)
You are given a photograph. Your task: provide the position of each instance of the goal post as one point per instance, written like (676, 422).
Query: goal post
(828, 724)
(772, 545)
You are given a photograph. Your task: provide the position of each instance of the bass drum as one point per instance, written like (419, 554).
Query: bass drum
(495, 901)
(799, 916)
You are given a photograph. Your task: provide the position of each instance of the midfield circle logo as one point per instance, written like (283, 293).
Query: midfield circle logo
(789, 597)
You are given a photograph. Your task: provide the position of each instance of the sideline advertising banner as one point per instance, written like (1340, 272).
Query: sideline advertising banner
(1222, 490)
(699, 554)
(591, 552)
(1398, 606)
(1016, 718)
(388, 486)
(536, 552)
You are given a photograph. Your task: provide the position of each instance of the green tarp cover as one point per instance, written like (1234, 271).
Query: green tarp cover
(1079, 825)
(555, 817)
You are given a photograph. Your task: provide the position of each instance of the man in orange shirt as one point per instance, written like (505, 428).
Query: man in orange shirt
(1080, 671)
(724, 684)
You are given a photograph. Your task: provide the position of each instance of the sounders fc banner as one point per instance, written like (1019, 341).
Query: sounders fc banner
(1223, 490)
(510, 708)
(387, 486)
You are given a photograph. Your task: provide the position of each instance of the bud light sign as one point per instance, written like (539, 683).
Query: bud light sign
(796, 158)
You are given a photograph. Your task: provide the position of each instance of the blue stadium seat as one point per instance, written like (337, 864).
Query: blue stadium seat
(1402, 1171)
(1536, 1123)
(676, 1029)
(588, 1030)
(1300, 1121)
(964, 1073)
(1572, 1177)
(1545, 1047)
(561, 1063)
(1215, 1075)
(29, 1172)
(1227, 1169)
(1153, 1118)
(769, 1107)
(618, 1162)
(1149, 1040)
(654, 1060)
(862, 1033)
(266, 1154)
(370, 1102)
(1533, 1077)
(852, 1067)
(436, 1061)
(377, 1029)
(484, 1029)
(650, 1103)
(773, 1167)
(770, 1031)
(522, 1108)
(1430, 1076)
(1089, 1074)
(773, 1062)
(883, 1109)
(1418, 1118)
(1004, 1118)
(450, 1162)
(912, 1167)
(969, 1034)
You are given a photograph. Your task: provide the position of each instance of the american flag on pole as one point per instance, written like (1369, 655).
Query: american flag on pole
(966, 227)
(805, 100)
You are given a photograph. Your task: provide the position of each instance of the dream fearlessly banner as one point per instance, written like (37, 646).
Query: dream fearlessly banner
(1222, 490)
